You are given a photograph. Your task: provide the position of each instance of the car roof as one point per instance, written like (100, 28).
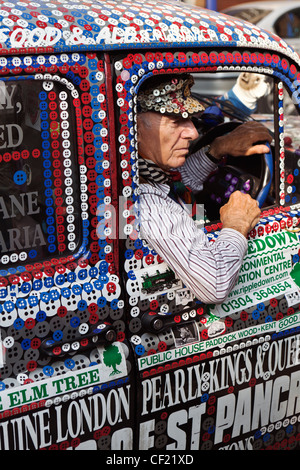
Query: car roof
(35, 27)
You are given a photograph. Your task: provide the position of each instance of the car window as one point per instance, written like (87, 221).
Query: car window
(230, 97)
(288, 25)
(39, 209)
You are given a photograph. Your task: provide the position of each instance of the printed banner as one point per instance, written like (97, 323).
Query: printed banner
(265, 273)
(248, 400)
(113, 366)
(176, 354)
(85, 422)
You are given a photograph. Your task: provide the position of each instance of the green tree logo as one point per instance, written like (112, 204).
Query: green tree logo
(112, 358)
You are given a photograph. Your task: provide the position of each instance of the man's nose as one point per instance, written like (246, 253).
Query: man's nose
(190, 131)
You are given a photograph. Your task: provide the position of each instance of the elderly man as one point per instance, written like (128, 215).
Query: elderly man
(164, 131)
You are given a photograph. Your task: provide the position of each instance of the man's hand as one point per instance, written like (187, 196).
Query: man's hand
(240, 213)
(241, 141)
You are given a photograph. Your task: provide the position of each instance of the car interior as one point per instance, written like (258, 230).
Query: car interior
(257, 175)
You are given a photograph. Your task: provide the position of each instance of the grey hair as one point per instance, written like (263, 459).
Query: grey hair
(144, 117)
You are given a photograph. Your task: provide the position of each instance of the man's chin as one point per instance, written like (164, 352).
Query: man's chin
(179, 161)
(175, 162)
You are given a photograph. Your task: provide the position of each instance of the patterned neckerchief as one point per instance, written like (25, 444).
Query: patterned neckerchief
(153, 174)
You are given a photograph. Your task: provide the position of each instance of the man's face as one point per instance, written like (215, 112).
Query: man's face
(165, 139)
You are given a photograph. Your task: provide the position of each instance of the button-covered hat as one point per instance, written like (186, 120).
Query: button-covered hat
(169, 94)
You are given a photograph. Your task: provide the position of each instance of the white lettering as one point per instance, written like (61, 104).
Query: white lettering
(10, 137)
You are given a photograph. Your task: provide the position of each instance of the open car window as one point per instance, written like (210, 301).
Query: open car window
(246, 97)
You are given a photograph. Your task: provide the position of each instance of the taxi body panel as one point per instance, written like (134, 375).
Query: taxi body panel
(102, 347)
(129, 25)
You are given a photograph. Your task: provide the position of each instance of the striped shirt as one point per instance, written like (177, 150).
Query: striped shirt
(209, 269)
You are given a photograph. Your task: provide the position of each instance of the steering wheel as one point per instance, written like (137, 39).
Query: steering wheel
(228, 178)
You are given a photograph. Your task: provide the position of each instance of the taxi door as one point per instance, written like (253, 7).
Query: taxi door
(64, 365)
(215, 376)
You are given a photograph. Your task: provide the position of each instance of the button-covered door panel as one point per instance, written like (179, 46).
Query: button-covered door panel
(215, 376)
(64, 361)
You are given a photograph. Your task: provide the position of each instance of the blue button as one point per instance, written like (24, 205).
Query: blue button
(255, 314)
(48, 370)
(26, 288)
(45, 297)
(204, 397)
(114, 304)
(25, 344)
(66, 292)
(101, 302)
(261, 306)
(18, 324)
(74, 322)
(98, 284)
(58, 335)
(37, 284)
(129, 254)
(93, 272)
(20, 177)
(139, 349)
(71, 277)
(87, 287)
(49, 282)
(70, 364)
(9, 306)
(33, 300)
(76, 289)
(82, 274)
(41, 316)
(82, 305)
(21, 303)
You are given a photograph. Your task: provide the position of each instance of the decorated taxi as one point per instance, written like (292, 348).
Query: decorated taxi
(101, 345)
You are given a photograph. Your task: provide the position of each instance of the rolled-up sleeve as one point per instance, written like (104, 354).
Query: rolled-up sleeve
(209, 269)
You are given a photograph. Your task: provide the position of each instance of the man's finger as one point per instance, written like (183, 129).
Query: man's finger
(260, 148)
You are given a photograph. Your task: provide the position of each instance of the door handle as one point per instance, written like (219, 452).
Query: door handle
(104, 333)
(155, 323)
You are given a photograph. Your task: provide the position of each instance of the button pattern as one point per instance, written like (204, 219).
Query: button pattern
(59, 299)
(66, 297)
(126, 24)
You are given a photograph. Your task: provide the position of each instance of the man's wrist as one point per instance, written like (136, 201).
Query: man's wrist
(211, 155)
(241, 227)
(217, 148)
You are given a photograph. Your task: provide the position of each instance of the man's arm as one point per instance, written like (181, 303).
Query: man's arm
(209, 270)
(196, 170)
(242, 141)
(246, 140)
(240, 213)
